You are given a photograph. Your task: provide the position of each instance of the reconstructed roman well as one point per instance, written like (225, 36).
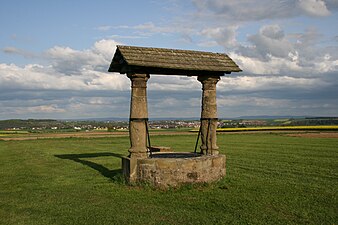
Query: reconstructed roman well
(157, 165)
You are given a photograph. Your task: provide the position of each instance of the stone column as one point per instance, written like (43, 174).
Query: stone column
(138, 115)
(209, 115)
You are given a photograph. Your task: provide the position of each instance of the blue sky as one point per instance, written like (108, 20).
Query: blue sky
(54, 56)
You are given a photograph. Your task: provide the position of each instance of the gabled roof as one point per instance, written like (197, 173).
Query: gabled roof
(130, 59)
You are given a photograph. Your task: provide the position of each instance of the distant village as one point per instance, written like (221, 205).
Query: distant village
(33, 125)
(54, 125)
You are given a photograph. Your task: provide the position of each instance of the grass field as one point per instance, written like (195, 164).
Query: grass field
(11, 132)
(271, 179)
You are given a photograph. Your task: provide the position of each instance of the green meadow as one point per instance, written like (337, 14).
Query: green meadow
(271, 179)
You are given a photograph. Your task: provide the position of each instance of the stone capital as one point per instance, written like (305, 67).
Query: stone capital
(138, 80)
(208, 82)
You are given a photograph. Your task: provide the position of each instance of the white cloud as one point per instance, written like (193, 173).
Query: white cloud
(69, 83)
(245, 10)
(104, 28)
(227, 101)
(232, 106)
(148, 29)
(173, 83)
(270, 65)
(127, 36)
(248, 10)
(261, 83)
(146, 26)
(43, 109)
(273, 32)
(13, 50)
(45, 78)
(270, 41)
(70, 61)
(224, 36)
(105, 48)
(67, 69)
(314, 7)
(271, 51)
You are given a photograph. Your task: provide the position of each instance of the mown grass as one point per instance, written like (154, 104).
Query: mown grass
(271, 179)
(12, 132)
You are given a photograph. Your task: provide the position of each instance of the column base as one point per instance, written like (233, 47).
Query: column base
(129, 169)
(210, 152)
(214, 152)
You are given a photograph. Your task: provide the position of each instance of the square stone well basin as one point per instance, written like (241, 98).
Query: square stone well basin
(173, 169)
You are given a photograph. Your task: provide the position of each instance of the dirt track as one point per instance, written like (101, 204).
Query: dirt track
(33, 136)
(20, 137)
(315, 135)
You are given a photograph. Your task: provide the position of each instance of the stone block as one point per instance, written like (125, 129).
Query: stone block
(194, 176)
(165, 164)
(129, 169)
(218, 162)
(188, 165)
(206, 162)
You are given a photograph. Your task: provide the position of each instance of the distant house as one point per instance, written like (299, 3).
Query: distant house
(101, 128)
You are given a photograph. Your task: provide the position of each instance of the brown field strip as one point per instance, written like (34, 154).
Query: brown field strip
(34, 136)
(315, 135)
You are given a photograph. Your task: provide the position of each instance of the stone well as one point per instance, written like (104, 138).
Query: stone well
(155, 165)
(173, 169)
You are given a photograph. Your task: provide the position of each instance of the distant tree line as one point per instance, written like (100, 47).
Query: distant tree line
(314, 121)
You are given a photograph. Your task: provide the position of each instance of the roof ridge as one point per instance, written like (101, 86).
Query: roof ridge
(166, 49)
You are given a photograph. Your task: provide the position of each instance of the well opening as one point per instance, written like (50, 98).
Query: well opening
(175, 155)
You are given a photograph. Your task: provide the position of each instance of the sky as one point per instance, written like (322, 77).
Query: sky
(54, 56)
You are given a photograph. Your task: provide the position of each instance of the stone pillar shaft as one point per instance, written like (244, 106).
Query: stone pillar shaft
(209, 115)
(138, 116)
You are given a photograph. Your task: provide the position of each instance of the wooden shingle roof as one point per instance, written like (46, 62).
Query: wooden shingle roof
(130, 59)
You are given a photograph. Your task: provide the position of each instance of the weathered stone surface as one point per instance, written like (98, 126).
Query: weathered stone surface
(188, 165)
(218, 162)
(172, 172)
(137, 126)
(166, 164)
(129, 169)
(138, 115)
(209, 115)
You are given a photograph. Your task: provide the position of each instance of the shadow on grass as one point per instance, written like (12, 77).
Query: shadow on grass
(115, 175)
